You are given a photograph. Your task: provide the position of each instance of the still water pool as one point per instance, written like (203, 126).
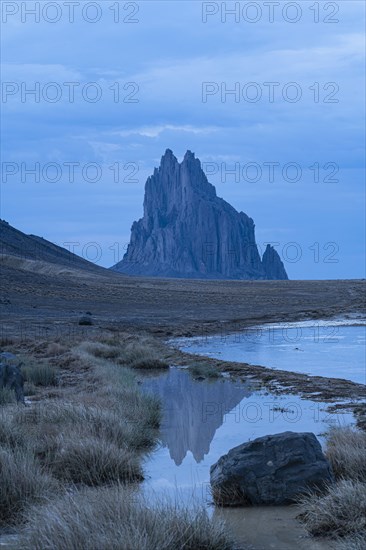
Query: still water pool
(323, 348)
(202, 420)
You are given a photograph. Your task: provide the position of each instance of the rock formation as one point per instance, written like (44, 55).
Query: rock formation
(271, 470)
(272, 265)
(187, 231)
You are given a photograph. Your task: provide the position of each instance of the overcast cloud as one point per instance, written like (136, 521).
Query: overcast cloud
(286, 146)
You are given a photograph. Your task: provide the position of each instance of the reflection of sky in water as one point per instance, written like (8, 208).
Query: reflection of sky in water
(202, 420)
(317, 348)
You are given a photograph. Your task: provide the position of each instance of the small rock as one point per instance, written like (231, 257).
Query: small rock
(86, 320)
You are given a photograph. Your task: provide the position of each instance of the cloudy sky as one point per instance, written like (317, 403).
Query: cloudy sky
(270, 98)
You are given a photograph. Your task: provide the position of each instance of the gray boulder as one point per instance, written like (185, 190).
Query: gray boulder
(11, 376)
(271, 470)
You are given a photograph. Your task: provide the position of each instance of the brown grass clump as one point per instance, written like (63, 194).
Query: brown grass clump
(106, 518)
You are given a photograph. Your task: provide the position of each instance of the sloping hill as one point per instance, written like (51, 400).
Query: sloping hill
(15, 243)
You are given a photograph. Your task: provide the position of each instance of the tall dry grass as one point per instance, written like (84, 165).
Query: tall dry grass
(340, 512)
(115, 518)
(346, 451)
(135, 354)
(96, 435)
(22, 482)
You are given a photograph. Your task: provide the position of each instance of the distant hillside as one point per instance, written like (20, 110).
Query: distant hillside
(14, 243)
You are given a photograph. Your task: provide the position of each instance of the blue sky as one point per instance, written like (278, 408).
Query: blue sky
(159, 55)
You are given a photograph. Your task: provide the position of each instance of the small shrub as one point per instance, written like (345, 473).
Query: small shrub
(22, 482)
(114, 518)
(40, 374)
(338, 513)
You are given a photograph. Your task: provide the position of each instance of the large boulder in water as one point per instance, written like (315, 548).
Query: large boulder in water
(271, 470)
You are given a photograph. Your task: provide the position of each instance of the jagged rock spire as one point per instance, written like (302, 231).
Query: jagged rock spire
(187, 231)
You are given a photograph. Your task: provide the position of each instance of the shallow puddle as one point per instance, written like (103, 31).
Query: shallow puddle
(202, 420)
(271, 527)
(323, 348)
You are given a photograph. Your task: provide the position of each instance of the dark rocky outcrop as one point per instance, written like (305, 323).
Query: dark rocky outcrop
(272, 264)
(274, 469)
(187, 231)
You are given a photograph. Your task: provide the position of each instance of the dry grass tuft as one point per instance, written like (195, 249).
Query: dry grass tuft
(228, 496)
(141, 355)
(40, 374)
(94, 436)
(106, 518)
(92, 461)
(339, 513)
(22, 482)
(7, 396)
(346, 451)
(11, 434)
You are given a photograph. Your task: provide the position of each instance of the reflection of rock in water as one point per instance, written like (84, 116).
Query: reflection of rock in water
(192, 410)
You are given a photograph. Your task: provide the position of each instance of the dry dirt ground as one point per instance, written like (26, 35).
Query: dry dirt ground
(44, 302)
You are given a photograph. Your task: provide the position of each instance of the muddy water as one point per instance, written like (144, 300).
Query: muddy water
(202, 420)
(274, 528)
(322, 348)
